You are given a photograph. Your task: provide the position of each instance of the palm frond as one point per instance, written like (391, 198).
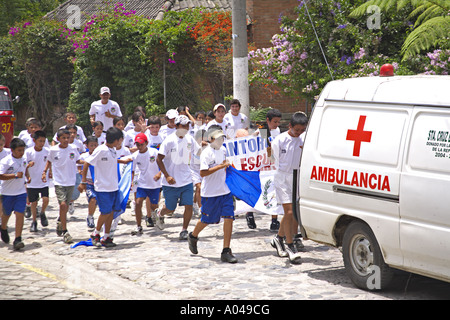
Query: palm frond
(426, 36)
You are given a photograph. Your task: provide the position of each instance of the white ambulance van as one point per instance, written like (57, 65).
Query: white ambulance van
(375, 176)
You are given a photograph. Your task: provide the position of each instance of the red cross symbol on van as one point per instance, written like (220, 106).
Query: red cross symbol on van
(359, 135)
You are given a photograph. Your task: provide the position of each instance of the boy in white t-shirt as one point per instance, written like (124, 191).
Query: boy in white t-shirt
(139, 126)
(91, 144)
(173, 159)
(287, 150)
(38, 156)
(217, 201)
(235, 119)
(13, 170)
(62, 163)
(170, 127)
(3, 153)
(71, 118)
(106, 184)
(219, 111)
(149, 182)
(154, 138)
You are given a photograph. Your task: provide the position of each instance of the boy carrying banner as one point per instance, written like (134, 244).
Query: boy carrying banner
(217, 201)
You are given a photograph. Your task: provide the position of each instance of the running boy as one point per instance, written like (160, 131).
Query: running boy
(38, 156)
(106, 184)
(173, 160)
(149, 182)
(13, 171)
(287, 150)
(3, 153)
(217, 201)
(92, 144)
(62, 161)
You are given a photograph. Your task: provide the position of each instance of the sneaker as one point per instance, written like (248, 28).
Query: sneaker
(278, 244)
(149, 222)
(90, 222)
(298, 243)
(44, 220)
(4, 235)
(108, 242)
(250, 220)
(192, 243)
(71, 208)
(59, 228)
(18, 244)
(159, 221)
(183, 235)
(274, 225)
(137, 231)
(67, 237)
(96, 240)
(227, 256)
(28, 211)
(294, 255)
(33, 227)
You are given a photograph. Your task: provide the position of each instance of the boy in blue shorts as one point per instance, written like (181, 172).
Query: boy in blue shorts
(13, 170)
(149, 181)
(91, 144)
(217, 201)
(106, 184)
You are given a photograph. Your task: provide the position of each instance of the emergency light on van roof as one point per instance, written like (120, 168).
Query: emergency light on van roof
(387, 70)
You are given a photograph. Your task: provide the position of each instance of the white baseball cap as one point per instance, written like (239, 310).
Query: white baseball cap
(217, 107)
(171, 114)
(104, 90)
(183, 120)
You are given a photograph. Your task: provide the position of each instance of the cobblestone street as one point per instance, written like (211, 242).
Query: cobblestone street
(156, 265)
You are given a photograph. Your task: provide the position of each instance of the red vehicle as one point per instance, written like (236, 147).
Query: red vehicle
(6, 115)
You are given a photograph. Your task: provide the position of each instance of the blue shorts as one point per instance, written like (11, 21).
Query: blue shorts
(109, 201)
(14, 203)
(185, 194)
(90, 192)
(152, 194)
(214, 208)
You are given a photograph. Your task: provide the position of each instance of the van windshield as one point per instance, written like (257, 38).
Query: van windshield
(5, 100)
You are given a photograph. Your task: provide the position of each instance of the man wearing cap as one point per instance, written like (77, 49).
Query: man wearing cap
(173, 160)
(170, 127)
(104, 110)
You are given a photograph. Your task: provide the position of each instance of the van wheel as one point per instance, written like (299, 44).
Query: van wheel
(363, 260)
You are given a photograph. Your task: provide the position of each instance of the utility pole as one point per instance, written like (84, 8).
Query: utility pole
(240, 55)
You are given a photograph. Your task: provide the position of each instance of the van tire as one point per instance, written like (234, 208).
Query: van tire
(362, 254)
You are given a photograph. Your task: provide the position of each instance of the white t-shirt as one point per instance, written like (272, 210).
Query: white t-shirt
(5, 152)
(129, 137)
(287, 151)
(83, 157)
(80, 134)
(26, 137)
(101, 139)
(223, 125)
(213, 185)
(99, 109)
(79, 146)
(178, 154)
(64, 165)
(11, 165)
(145, 164)
(234, 123)
(155, 141)
(40, 160)
(123, 152)
(104, 160)
(165, 131)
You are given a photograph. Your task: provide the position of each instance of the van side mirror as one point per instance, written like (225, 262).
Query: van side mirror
(16, 99)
